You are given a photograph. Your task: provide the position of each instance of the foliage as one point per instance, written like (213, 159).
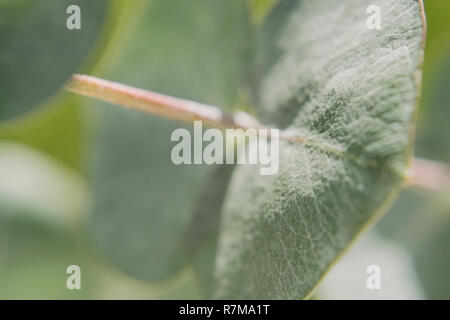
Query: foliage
(349, 91)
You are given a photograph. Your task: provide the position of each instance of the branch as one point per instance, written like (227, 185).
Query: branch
(156, 103)
(429, 174)
(424, 173)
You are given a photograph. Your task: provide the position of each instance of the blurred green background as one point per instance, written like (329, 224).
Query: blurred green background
(54, 158)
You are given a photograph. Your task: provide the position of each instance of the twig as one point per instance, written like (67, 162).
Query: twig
(423, 173)
(156, 103)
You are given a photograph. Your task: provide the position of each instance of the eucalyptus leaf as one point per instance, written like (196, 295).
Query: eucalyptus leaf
(348, 279)
(41, 205)
(143, 203)
(39, 199)
(420, 222)
(58, 132)
(35, 253)
(351, 92)
(433, 132)
(259, 9)
(201, 235)
(38, 53)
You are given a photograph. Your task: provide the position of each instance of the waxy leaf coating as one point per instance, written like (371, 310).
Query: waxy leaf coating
(351, 92)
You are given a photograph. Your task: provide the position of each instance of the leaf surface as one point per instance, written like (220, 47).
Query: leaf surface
(38, 53)
(143, 203)
(351, 93)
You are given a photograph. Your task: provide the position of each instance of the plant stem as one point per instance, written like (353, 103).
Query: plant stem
(423, 173)
(156, 103)
(429, 174)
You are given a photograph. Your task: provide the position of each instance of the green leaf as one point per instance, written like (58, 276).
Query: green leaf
(420, 222)
(38, 53)
(351, 92)
(41, 206)
(38, 200)
(433, 132)
(259, 9)
(347, 280)
(58, 131)
(35, 254)
(201, 234)
(142, 202)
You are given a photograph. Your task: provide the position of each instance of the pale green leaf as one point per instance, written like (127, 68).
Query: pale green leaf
(201, 234)
(38, 53)
(351, 92)
(259, 9)
(419, 221)
(347, 280)
(40, 203)
(143, 203)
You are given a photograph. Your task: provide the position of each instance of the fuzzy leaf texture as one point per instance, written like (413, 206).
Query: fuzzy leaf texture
(352, 93)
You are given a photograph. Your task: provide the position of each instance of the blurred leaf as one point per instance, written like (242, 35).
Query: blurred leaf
(437, 20)
(39, 201)
(59, 129)
(433, 134)
(348, 278)
(420, 222)
(58, 132)
(121, 21)
(351, 92)
(259, 9)
(32, 177)
(34, 255)
(202, 233)
(38, 52)
(41, 207)
(437, 54)
(143, 202)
